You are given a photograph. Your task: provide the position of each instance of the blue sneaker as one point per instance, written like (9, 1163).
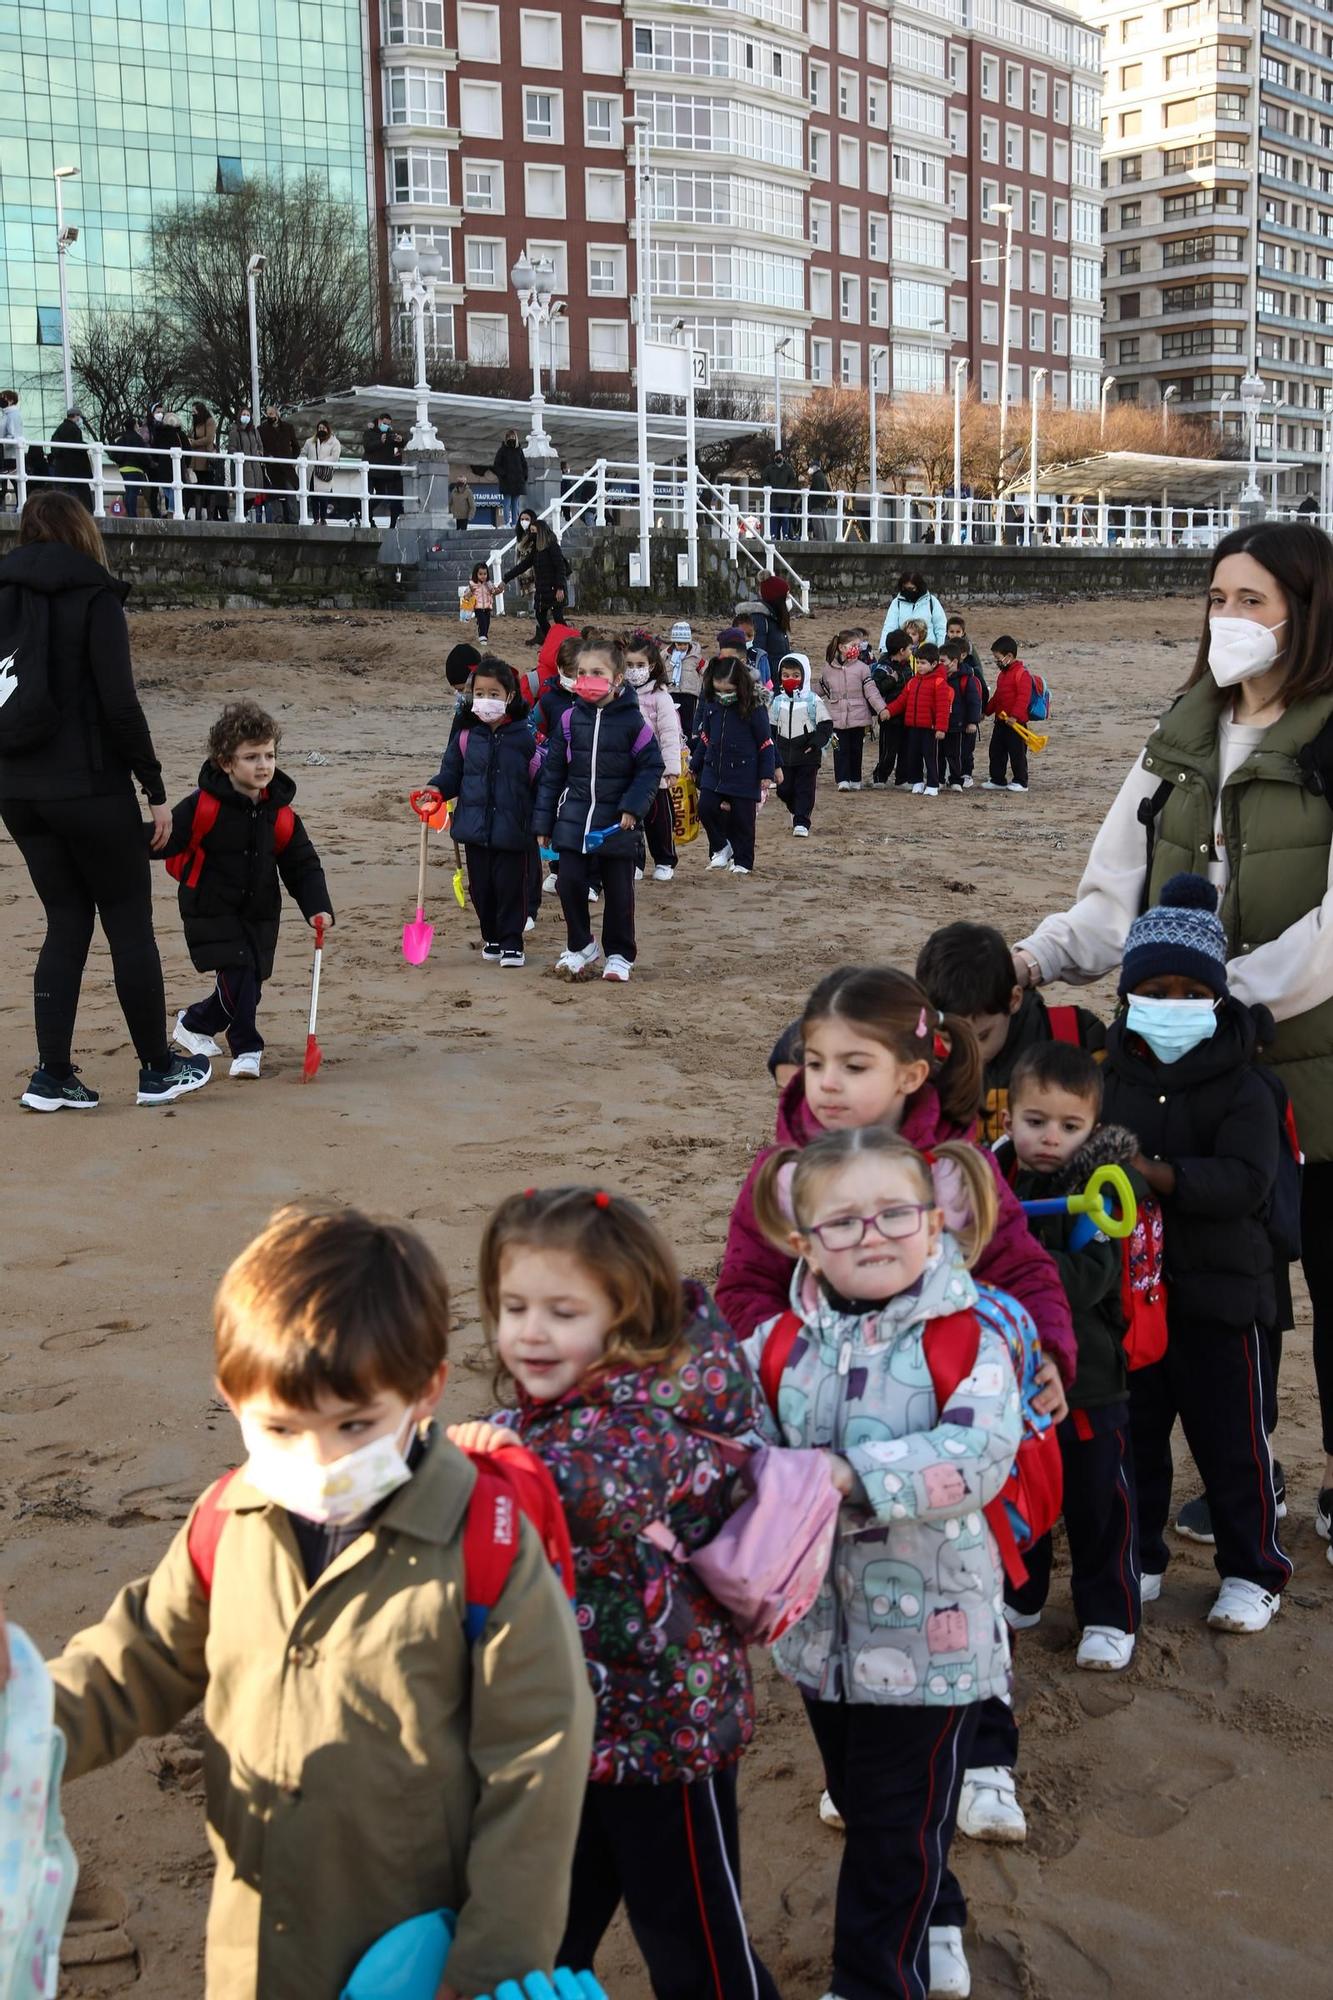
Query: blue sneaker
(181, 1075)
(53, 1093)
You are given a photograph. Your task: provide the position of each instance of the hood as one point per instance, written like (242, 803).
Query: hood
(53, 567)
(945, 1286)
(1241, 1030)
(708, 1390)
(551, 644)
(802, 660)
(281, 791)
(1108, 1146)
(924, 1122)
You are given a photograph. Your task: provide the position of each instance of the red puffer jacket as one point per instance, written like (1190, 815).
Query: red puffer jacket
(1013, 693)
(756, 1276)
(926, 701)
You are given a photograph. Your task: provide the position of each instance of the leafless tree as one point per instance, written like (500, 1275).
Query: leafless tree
(121, 361)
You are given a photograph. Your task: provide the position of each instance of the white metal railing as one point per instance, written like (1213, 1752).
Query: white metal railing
(796, 515)
(164, 475)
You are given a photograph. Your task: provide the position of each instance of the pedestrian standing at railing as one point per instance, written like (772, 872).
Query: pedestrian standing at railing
(779, 476)
(134, 463)
(382, 447)
(201, 468)
(820, 504)
(70, 462)
(161, 436)
(511, 476)
(243, 436)
(323, 450)
(11, 426)
(280, 449)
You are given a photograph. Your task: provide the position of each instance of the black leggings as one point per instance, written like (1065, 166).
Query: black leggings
(89, 857)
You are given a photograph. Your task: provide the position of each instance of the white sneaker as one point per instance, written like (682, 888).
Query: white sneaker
(1150, 1586)
(967, 784)
(855, 785)
(932, 791)
(1017, 788)
(829, 1813)
(531, 924)
(662, 873)
(722, 859)
(989, 785)
(617, 968)
(736, 869)
(844, 785)
(573, 964)
(918, 789)
(1242, 1606)
(594, 895)
(248, 1064)
(1104, 1649)
(550, 885)
(988, 1807)
(950, 1975)
(1021, 1621)
(638, 874)
(801, 832)
(512, 960)
(195, 1045)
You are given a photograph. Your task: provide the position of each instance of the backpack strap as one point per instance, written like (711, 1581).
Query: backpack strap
(511, 1483)
(1064, 1025)
(210, 1518)
(463, 735)
(187, 866)
(782, 1338)
(1148, 812)
(950, 1346)
(566, 725)
(284, 826)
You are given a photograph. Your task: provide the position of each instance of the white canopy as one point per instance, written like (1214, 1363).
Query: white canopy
(1146, 475)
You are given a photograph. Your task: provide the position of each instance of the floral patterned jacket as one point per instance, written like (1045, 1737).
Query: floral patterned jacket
(668, 1668)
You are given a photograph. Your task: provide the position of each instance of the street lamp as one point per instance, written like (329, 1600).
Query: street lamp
(64, 237)
(1227, 396)
(779, 349)
(1038, 377)
(418, 272)
(1171, 389)
(876, 356)
(1251, 396)
(1006, 209)
(959, 372)
(642, 125)
(534, 284)
(253, 271)
(1108, 382)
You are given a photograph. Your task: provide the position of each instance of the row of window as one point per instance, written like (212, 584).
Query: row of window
(1037, 210)
(736, 201)
(420, 175)
(488, 341)
(719, 52)
(719, 124)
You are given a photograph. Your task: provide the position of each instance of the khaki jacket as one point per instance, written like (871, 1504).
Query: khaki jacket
(362, 1763)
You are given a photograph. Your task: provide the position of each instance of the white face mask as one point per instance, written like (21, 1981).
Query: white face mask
(328, 1494)
(637, 676)
(567, 682)
(489, 708)
(1239, 648)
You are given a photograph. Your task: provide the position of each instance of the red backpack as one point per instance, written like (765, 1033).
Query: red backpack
(187, 866)
(1143, 1288)
(1028, 1505)
(511, 1482)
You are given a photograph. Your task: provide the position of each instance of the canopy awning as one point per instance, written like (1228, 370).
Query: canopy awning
(1146, 475)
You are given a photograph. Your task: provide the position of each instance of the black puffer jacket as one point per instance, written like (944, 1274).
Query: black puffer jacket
(491, 774)
(550, 571)
(103, 742)
(511, 470)
(1212, 1119)
(231, 916)
(601, 761)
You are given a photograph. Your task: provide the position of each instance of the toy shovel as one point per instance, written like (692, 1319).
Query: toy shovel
(314, 1054)
(460, 894)
(418, 936)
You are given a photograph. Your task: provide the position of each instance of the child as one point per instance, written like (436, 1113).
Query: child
(1055, 1142)
(627, 1382)
(969, 705)
(364, 1762)
(239, 842)
(602, 773)
(1009, 704)
(483, 600)
(907, 1637)
(848, 687)
(490, 767)
(784, 1058)
(801, 727)
(685, 663)
(892, 674)
(967, 969)
(759, 662)
(645, 670)
(925, 706)
(957, 629)
(556, 696)
(732, 644)
(1180, 1074)
(915, 630)
(734, 761)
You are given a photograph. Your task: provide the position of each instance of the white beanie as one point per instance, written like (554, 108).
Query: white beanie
(681, 634)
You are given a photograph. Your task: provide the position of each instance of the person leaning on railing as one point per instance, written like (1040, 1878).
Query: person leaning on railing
(323, 450)
(202, 468)
(136, 468)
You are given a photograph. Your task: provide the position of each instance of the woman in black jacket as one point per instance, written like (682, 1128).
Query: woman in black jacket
(68, 801)
(540, 552)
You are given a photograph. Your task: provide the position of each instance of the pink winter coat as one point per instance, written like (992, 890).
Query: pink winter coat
(850, 692)
(755, 1282)
(663, 718)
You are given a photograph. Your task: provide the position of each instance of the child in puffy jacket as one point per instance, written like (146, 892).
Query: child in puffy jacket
(646, 672)
(685, 666)
(801, 727)
(908, 1636)
(734, 761)
(925, 705)
(969, 704)
(625, 1394)
(848, 686)
(1010, 702)
(891, 674)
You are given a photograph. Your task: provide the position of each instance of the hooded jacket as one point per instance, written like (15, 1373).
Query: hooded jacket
(556, 636)
(491, 775)
(801, 723)
(911, 1613)
(551, 705)
(733, 754)
(602, 761)
(685, 666)
(1012, 695)
(662, 717)
(628, 1447)
(927, 701)
(1216, 1123)
(232, 914)
(927, 608)
(848, 686)
(103, 742)
(755, 1280)
(71, 460)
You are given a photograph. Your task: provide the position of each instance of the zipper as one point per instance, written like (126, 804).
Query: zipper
(592, 775)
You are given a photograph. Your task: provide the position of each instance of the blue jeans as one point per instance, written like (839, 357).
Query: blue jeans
(510, 504)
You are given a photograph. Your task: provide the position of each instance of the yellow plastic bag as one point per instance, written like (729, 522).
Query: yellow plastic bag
(684, 795)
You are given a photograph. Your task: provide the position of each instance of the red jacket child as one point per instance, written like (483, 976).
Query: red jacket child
(1013, 691)
(927, 700)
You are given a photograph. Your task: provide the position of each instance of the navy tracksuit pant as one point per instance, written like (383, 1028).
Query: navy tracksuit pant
(1101, 1522)
(797, 791)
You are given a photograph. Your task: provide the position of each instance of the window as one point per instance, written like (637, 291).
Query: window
(819, 155)
(918, 370)
(419, 174)
(849, 232)
(1013, 147)
(1060, 221)
(849, 363)
(849, 95)
(877, 238)
(539, 39)
(601, 121)
(918, 110)
(1180, 67)
(849, 162)
(1037, 153)
(1131, 124)
(1060, 101)
(488, 340)
(479, 110)
(1037, 214)
(1059, 334)
(990, 382)
(957, 132)
(483, 187)
(819, 75)
(849, 299)
(602, 54)
(990, 139)
(957, 318)
(821, 361)
(877, 169)
(917, 304)
(877, 42)
(484, 264)
(606, 270)
(1131, 169)
(544, 116)
(918, 241)
(478, 32)
(916, 48)
(990, 77)
(990, 323)
(1037, 272)
(1131, 259)
(1059, 277)
(48, 326)
(821, 225)
(958, 197)
(877, 103)
(231, 174)
(545, 190)
(877, 302)
(1013, 84)
(1131, 76)
(414, 97)
(1204, 249)
(821, 294)
(1128, 350)
(849, 31)
(919, 174)
(817, 22)
(1186, 16)
(1131, 214)
(1199, 298)
(1037, 93)
(418, 22)
(1060, 162)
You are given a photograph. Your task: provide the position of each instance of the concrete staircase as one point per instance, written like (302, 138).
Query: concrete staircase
(434, 564)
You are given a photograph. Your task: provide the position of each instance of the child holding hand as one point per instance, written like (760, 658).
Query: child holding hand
(734, 760)
(483, 599)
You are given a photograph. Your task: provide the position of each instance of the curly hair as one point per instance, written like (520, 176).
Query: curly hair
(240, 722)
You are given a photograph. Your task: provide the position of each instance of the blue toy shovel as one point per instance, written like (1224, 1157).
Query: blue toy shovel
(1094, 1217)
(593, 839)
(409, 1963)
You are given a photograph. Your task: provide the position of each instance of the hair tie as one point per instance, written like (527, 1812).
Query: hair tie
(782, 1182)
(922, 1027)
(601, 1200)
(943, 1048)
(952, 1195)
(529, 1194)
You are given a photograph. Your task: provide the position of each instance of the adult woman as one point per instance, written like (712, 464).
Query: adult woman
(68, 801)
(539, 551)
(324, 450)
(914, 600)
(1236, 783)
(201, 468)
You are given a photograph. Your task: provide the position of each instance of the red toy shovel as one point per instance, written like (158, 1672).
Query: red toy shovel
(418, 936)
(314, 1054)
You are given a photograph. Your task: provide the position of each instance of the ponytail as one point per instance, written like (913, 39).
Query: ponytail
(965, 1189)
(960, 1079)
(772, 1197)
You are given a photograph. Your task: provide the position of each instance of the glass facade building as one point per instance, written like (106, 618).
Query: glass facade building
(155, 102)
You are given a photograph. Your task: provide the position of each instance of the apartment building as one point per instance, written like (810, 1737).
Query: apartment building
(1218, 210)
(824, 180)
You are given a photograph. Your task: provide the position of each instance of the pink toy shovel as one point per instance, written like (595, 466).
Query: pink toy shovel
(418, 936)
(314, 1054)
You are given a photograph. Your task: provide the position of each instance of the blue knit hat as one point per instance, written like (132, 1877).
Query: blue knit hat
(1182, 933)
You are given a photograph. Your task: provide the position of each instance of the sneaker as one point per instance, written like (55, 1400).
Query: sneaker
(1323, 1514)
(989, 785)
(195, 1045)
(855, 785)
(931, 791)
(58, 1093)
(800, 833)
(662, 873)
(829, 1813)
(181, 1075)
(617, 968)
(491, 953)
(844, 785)
(1104, 1649)
(531, 924)
(988, 1807)
(722, 859)
(550, 885)
(1150, 1586)
(1017, 788)
(569, 964)
(950, 1977)
(248, 1064)
(588, 957)
(1242, 1606)
(967, 784)
(736, 869)
(638, 874)
(1021, 1621)
(594, 895)
(918, 789)
(955, 788)
(1195, 1521)
(511, 960)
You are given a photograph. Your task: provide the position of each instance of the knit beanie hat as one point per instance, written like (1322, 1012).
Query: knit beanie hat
(459, 664)
(732, 635)
(1182, 933)
(681, 634)
(774, 589)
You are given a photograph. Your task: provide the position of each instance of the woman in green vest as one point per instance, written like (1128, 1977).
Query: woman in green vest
(1236, 783)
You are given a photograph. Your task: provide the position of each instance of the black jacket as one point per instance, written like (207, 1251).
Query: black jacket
(279, 441)
(382, 448)
(103, 741)
(551, 705)
(72, 460)
(890, 677)
(601, 761)
(1216, 1123)
(511, 470)
(231, 916)
(550, 571)
(491, 775)
(732, 752)
(969, 700)
(821, 493)
(1030, 1025)
(780, 473)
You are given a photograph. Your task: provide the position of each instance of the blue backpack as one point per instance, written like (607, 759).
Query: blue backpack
(1039, 708)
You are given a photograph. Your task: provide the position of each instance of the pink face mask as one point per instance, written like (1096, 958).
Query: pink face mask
(591, 687)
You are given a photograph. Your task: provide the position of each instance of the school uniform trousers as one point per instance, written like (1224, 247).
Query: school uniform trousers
(1101, 1522)
(1214, 1378)
(671, 1854)
(1008, 751)
(615, 873)
(797, 791)
(497, 879)
(890, 749)
(230, 1009)
(894, 1773)
(959, 752)
(726, 819)
(921, 758)
(660, 831)
(848, 750)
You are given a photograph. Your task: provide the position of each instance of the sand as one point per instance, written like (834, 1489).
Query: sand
(1179, 1812)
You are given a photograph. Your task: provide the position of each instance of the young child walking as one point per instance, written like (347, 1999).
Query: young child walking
(801, 727)
(602, 773)
(317, 1603)
(236, 842)
(734, 760)
(483, 600)
(925, 706)
(848, 686)
(956, 628)
(626, 1383)
(685, 665)
(907, 1636)
(646, 672)
(969, 705)
(1180, 1073)
(490, 768)
(1010, 702)
(891, 675)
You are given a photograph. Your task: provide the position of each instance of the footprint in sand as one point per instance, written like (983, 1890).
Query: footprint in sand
(78, 1337)
(26, 1399)
(1044, 1963)
(1162, 1796)
(153, 1503)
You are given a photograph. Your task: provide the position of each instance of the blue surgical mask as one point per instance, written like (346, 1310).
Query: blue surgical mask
(1171, 1028)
